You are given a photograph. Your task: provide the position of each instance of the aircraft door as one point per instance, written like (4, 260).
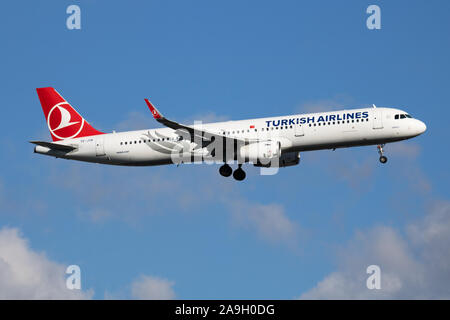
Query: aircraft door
(99, 146)
(299, 130)
(377, 118)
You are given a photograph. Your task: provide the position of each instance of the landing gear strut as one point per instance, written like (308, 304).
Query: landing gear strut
(383, 159)
(225, 170)
(239, 174)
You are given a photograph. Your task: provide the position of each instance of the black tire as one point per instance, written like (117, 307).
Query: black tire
(383, 159)
(225, 170)
(239, 174)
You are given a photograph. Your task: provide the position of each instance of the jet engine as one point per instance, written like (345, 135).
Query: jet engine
(261, 152)
(286, 159)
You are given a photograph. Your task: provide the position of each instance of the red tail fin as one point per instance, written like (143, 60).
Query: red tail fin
(63, 121)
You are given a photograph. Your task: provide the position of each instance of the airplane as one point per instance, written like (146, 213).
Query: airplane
(272, 142)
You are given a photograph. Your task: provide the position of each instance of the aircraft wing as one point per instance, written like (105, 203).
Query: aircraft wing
(197, 134)
(54, 146)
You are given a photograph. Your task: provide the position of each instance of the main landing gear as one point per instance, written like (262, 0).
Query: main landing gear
(238, 174)
(225, 170)
(383, 159)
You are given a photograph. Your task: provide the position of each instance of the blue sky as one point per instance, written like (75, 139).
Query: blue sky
(187, 231)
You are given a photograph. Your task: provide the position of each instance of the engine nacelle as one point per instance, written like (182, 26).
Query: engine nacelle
(287, 159)
(261, 153)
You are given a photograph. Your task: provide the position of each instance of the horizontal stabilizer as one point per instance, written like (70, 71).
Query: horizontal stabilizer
(54, 146)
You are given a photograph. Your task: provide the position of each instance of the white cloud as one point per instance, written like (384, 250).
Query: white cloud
(409, 150)
(148, 186)
(96, 215)
(136, 121)
(152, 288)
(270, 221)
(205, 118)
(355, 171)
(26, 274)
(413, 265)
(337, 102)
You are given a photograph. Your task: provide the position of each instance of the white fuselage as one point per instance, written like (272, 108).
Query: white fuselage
(295, 133)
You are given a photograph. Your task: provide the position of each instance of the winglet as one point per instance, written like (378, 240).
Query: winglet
(156, 114)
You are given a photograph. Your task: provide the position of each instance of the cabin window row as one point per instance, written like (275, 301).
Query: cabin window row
(256, 130)
(338, 122)
(150, 140)
(290, 127)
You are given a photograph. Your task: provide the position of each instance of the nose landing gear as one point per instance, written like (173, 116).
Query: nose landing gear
(383, 159)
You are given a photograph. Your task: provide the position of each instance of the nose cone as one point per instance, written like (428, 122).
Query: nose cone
(421, 127)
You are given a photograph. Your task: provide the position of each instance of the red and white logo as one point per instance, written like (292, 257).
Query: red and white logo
(64, 122)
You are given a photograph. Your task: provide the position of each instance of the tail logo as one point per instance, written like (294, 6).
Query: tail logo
(64, 122)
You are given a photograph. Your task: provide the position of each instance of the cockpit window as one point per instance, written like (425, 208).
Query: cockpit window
(402, 116)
